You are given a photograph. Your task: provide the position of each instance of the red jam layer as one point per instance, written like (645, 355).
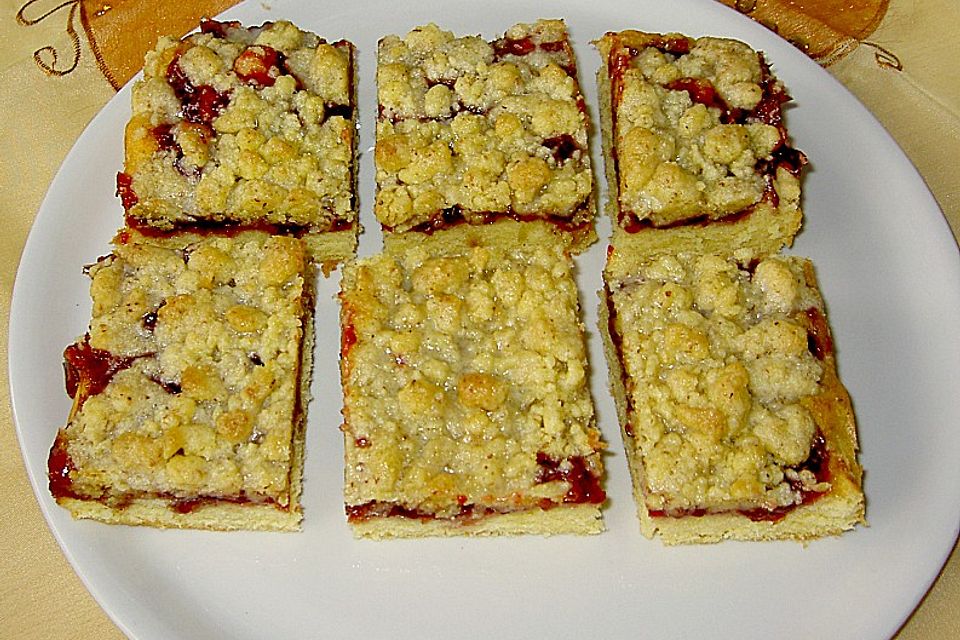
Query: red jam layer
(584, 486)
(259, 65)
(618, 347)
(91, 369)
(212, 227)
(125, 191)
(454, 216)
(59, 467)
(584, 489)
(818, 337)
(379, 509)
(818, 462)
(198, 104)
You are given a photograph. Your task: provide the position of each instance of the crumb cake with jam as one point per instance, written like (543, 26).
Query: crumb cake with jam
(471, 131)
(695, 143)
(734, 420)
(467, 409)
(253, 128)
(190, 386)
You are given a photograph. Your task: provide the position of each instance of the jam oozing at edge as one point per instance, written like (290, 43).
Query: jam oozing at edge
(259, 65)
(125, 191)
(817, 462)
(452, 216)
(563, 147)
(584, 486)
(618, 347)
(818, 337)
(59, 466)
(199, 104)
(347, 339)
(210, 227)
(91, 368)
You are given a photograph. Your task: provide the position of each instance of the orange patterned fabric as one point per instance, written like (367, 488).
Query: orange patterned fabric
(826, 30)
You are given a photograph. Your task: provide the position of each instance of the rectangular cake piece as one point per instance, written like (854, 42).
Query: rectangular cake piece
(466, 402)
(470, 131)
(734, 421)
(252, 128)
(695, 143)
(190, 386)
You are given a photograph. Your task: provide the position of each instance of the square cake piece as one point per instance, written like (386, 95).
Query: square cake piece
(470, 131)
(695, 143)
(467, 409)
(190, 387)
(252, 128)
(734, 421)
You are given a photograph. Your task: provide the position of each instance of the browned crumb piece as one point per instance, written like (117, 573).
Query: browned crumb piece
(249, 128)
(734, 421)
(466, 404)
(475, 131)
(190, 386)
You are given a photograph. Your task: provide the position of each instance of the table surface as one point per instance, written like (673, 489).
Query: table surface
(62, 63)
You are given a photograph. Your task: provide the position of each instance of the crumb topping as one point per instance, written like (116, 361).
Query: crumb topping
(479, 128)
(718, 363)
(465, 380)
(243, 125)
(207, 406)
(692, 134)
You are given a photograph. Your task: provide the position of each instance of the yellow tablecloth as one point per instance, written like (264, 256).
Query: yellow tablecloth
(62, 62)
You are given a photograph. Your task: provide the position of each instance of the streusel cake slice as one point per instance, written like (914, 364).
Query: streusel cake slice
(466, 402)
(252, 128)
(696, 150)
(190, 386)
(734, 420)
(470, 131)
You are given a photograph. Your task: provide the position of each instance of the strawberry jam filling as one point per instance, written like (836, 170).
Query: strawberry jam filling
(259, 65)
(584, 486)
(454, 216)
(562, 146)
(59, 468)
(584, 489)
(125, 191)
(210, 227)
(818, 337)
(817, 462)
(91, 369)
(198, 104)
(513, 47)
(379, 509)
(218, 28)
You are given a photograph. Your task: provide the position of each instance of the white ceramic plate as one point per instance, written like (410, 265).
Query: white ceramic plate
(888, 266)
